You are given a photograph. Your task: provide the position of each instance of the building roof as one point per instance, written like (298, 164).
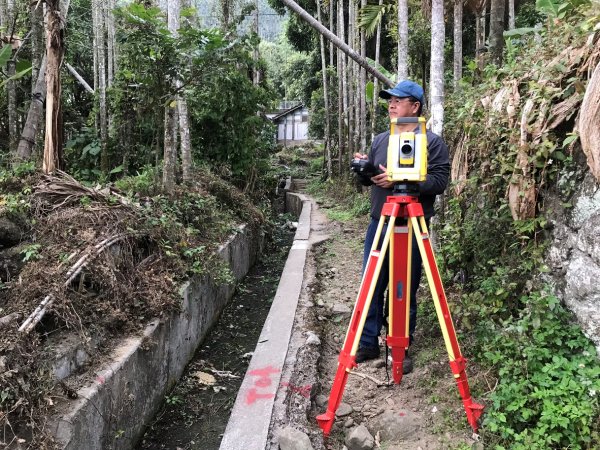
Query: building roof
(286, 112)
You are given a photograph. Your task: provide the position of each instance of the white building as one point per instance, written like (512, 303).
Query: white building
(292, 124)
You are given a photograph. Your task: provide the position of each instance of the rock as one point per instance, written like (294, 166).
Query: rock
(321, 400)
(344, 410)
(396, 425)
(341, 308)
(349, 422)
(312, 339)
(378, 364)
(10, 234)
(359, 438)
(291, 439)
(11, 261)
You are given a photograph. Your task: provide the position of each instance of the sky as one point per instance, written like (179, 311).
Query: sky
(269, 22)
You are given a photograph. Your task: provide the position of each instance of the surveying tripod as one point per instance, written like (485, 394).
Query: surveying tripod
(403, 205)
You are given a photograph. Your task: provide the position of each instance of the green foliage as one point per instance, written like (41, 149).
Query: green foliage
(143, 183)
(547, 370)
(370, 17)
(22, 68)
(31, 252)
(226, 124)
(548, 379)
(83, 153)
(559, 10)
(348, 204)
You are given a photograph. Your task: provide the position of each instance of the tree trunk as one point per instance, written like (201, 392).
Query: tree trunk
(331, 22)
(98, 20)
(496, 30)
(339, 43)
(79, 78)
(169, 154)
(344, 91)
(480, 35)
(225, 13)
(255, 71)
(327, 148)
(340, 75)
(34, 115)
(37, 41)
(458, 17)
(511, 14)
(437, 66)
(363, 84)
(11, 86)
(351, 83)
(110, 43)
(182, 108)
(376, 81)
(402, 40)
(4, 16)
(53, 159)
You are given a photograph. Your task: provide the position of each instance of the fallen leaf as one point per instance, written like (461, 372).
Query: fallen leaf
(205, 378)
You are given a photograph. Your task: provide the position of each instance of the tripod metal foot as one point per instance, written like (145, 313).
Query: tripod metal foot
(345, 365)
(398, 346)
(473, 410)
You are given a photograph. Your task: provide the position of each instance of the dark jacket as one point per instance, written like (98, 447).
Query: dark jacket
(438, 171)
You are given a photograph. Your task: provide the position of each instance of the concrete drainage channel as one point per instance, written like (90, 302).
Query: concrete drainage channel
(112, 410)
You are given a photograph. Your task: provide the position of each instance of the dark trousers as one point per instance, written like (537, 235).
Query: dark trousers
(375, 315)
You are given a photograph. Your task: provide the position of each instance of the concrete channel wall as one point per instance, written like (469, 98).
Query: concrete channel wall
(112, 409)
(249, 426)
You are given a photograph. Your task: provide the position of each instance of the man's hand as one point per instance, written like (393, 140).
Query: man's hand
(360, 156)
(381, 180)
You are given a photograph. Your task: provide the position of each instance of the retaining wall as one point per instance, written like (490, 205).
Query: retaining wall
(121, 397)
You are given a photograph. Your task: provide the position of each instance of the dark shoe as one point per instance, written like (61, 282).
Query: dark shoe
(407, 365)
(366, 353)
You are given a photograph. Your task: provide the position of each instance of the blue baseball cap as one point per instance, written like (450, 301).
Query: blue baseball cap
(405, 88)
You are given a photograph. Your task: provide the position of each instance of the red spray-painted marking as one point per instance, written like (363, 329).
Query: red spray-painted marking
(264, 380)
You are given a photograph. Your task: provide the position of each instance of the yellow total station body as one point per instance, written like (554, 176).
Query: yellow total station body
(407, 152)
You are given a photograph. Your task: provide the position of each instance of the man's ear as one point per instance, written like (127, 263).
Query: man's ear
(416, 107)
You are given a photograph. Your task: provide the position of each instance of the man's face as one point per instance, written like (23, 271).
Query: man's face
(402, 107)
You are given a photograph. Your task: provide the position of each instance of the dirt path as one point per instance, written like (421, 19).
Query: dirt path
(424, 411)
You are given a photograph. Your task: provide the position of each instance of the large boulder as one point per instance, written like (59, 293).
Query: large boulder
(396, 425)
(290, 438)
(359, 438)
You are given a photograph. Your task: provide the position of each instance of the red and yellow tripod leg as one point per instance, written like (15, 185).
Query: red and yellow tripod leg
(399, 303)
(347, 358)
(457, 362)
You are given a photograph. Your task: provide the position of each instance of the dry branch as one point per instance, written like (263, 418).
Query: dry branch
(460, 166)
(369, 377)
(61, 189)
(89, 255)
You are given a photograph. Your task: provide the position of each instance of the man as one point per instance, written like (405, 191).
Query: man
(404, 100)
